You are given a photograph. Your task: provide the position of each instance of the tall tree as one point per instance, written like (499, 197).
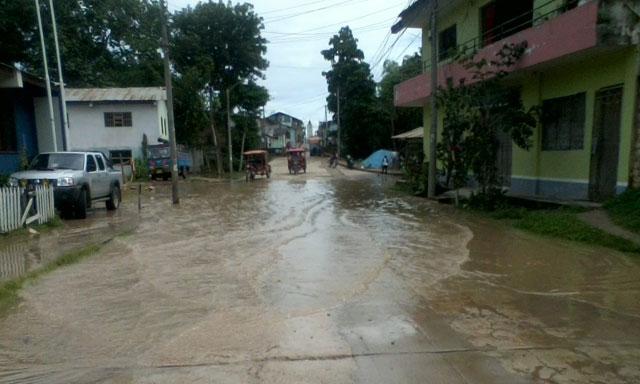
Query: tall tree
(362, 120)
(401, 119)
(221, 45)
(103, 42)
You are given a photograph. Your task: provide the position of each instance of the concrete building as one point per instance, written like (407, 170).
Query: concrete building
(581, 67)
(114, 120)
(25, 125)
(279, 129)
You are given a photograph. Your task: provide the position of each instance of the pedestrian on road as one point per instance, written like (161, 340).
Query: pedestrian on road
(333, 163)
(385, 165)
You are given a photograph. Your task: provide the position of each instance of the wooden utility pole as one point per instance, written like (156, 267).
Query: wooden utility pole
(339, 142)
(170, 118)
(213, 132)
(433, 137)
(229, 131)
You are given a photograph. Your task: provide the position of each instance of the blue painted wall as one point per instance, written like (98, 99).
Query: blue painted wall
(26, 132)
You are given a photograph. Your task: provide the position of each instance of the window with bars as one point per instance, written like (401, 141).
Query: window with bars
(448, 43)
(563, 121)
(117, 119)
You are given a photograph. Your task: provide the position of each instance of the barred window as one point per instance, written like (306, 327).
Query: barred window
(117, 119)
(563, 121)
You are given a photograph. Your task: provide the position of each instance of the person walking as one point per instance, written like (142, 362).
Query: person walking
(385, 165)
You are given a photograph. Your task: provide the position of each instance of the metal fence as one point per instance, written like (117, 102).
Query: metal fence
(18, 208)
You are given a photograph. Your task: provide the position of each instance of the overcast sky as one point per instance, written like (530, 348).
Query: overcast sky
(298, 30)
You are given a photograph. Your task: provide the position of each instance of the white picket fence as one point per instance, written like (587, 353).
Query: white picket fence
(14, 214)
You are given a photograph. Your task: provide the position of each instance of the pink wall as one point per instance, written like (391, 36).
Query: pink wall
(566, 34)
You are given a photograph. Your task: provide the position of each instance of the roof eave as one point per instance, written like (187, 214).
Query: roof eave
(410, 17)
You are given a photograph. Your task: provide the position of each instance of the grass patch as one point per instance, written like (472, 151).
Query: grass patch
(562, 223)
(625, 210)
(56, 222)
(9, 290)
(565, 224)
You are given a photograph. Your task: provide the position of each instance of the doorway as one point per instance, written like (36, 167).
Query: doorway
(605, 145)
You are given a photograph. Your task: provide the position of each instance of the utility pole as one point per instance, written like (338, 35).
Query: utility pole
(170, 118)
(52, 120)
(326, 127)
(63, 97)
(339, 142)
(229, 132)
(213, 132)
(433, 138)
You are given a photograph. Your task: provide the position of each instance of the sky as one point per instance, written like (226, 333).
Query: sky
(297, 30)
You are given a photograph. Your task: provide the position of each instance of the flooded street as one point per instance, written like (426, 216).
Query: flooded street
(328, 277)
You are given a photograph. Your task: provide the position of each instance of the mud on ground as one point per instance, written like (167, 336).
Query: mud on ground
(328, 277)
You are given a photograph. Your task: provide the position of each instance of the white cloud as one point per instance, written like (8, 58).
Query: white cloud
(299, 29)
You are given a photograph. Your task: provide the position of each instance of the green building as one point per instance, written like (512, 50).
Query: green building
(581, 66)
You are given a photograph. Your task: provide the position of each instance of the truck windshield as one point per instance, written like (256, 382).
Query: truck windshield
(159, 153)
(52, 161)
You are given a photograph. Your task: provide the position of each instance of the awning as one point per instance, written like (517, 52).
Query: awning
(416, 134)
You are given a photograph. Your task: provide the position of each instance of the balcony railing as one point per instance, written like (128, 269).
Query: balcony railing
(569, 32)
(534, 17)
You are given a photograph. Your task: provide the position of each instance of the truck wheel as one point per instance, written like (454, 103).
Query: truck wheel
(114, 199)
(81, 205)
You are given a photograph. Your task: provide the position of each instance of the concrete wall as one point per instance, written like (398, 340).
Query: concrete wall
(45, 137)
(88, 132)
(554, 169)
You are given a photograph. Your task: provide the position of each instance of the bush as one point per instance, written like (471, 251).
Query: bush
(4, 180)
(492, 200)
(142, 170)
(625, 209)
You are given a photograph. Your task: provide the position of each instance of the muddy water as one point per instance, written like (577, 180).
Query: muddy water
(325, 277)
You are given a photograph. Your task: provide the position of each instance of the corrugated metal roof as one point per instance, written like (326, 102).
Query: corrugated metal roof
(116, 94)
(417, 133)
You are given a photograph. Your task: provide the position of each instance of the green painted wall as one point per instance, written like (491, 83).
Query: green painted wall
(588, 75)
(568, 79)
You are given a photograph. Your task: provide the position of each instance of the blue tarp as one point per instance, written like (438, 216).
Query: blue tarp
(375, 160)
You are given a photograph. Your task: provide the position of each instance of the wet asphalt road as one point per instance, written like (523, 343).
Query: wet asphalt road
(328, 277)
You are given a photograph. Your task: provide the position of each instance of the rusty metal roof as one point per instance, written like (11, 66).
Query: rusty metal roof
(116, 94)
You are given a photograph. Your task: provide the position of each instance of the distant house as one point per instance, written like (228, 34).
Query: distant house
(114, 120)
(280, 129)
(24, 118)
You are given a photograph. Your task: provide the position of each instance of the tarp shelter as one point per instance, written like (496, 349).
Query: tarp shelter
(415, 134)
(375, 160)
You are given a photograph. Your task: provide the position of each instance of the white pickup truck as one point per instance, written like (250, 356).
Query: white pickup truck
(79, 180)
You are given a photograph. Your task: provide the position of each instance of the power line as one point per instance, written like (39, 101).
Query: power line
(290, 16)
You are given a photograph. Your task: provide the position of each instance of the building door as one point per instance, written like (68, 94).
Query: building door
(605, 145)
(504, 160)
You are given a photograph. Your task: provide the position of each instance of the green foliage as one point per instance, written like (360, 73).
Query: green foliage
(103, 43)
(490, 200)
(561, 223)
(364, 127)
(145, 148)
(401, 119)
(142, 170)
(476, 114)
(625, 209)
(217, 46)
(4, 180)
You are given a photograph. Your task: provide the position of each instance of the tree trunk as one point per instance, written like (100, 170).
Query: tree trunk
(213, 132)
